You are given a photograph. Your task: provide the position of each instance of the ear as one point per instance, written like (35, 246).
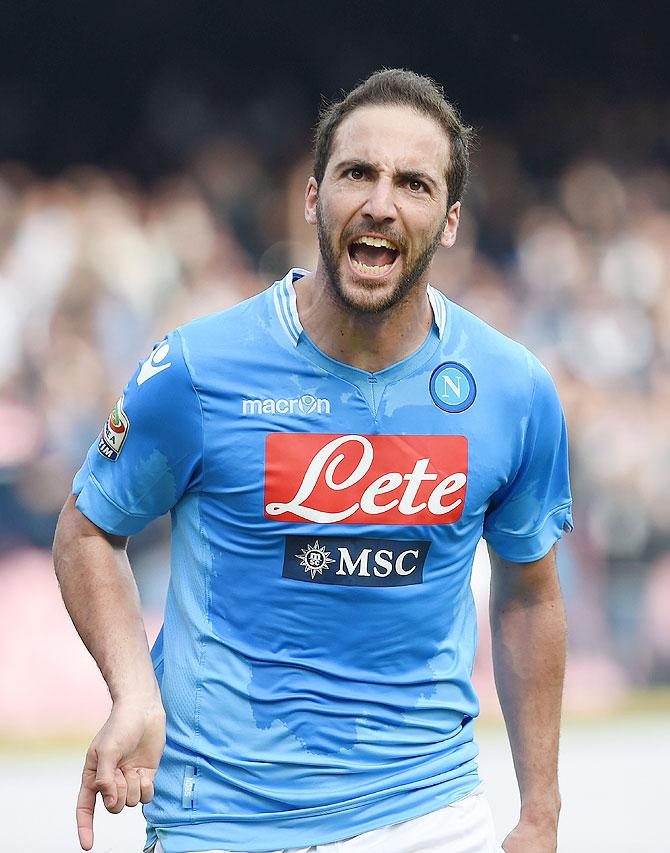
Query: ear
(448, 237)
(311, 197)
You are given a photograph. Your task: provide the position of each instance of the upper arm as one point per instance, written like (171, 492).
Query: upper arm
(77, 535)
(149, 452)
(73, 524)
(526, 583)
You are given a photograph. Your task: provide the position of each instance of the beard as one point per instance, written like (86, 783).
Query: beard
(373, 297)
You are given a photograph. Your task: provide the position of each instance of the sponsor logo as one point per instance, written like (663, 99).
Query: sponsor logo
(114, 432)
(306, 405)
(365, 479)
(452, 387)
(347, 561)
(314, 558)
(155, 363)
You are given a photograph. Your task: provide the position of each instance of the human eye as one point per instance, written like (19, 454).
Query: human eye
(356, 173)
(416, 186)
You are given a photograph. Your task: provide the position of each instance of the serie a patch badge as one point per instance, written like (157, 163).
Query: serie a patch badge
(114, 432)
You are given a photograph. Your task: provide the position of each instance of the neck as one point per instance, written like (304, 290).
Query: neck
(367, 341)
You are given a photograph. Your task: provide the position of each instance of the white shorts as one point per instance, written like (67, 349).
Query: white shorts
(465, 826)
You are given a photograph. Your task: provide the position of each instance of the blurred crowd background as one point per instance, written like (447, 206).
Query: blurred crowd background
(564, 245)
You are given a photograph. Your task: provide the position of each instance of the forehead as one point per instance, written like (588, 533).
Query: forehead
(396, 137)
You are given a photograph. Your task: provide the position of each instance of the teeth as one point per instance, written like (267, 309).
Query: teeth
(376, 241)
(370, 270)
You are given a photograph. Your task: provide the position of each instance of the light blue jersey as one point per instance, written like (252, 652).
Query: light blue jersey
(320, 631)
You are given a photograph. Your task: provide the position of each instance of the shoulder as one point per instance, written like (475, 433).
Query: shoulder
(495, 343)
(234, 322)
(225, 336)
(495, 357)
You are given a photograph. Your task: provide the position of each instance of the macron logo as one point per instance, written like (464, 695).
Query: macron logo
(305, 406)
(155, 363)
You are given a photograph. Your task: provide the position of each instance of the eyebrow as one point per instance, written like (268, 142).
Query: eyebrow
(403, 174)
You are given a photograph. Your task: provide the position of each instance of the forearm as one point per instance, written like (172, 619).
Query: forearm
(529, 639)
(101, 597)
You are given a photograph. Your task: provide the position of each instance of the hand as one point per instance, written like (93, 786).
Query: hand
(530, 838)
(121, 763)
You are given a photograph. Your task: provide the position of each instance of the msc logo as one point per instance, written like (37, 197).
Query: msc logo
(344, 561)
(306, 405)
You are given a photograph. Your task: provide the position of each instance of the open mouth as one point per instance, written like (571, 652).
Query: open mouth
(372, 256)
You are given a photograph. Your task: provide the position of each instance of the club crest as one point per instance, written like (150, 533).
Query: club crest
(452, 387)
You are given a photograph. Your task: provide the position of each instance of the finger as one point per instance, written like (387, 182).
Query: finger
(132, 785)
(118, 801)
(84, 813)
(146, 785)
(105, 780)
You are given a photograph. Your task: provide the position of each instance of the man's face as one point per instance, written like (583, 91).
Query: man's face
(381, 208)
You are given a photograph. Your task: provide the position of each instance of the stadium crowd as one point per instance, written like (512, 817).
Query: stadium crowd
(95, 267)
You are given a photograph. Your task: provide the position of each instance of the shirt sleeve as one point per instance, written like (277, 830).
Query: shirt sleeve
(529, 514)
(149, 452)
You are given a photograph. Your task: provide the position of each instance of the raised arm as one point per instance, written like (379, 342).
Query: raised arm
(529, 639)
(101, 597)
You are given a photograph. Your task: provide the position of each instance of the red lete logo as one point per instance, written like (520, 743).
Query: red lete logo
(364, 479)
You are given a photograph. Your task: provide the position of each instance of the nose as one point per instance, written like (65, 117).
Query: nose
(380, 202)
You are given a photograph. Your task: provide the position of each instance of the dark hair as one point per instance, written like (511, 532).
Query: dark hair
(397, 87)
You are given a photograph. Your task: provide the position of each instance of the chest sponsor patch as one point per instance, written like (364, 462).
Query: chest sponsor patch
(348, 561)
(365, 479)
(114, 432)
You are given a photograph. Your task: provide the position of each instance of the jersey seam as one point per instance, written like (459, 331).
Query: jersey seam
(206, 603)
(122, 510)
(530, 408)
(197, 397)
(375, 404)
(522, 446)
(330, 811)
(537, 530)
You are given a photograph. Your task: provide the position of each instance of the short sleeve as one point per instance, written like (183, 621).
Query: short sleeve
(149, 452)
(529, 514)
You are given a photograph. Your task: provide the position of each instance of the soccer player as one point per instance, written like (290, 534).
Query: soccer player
(331, 452)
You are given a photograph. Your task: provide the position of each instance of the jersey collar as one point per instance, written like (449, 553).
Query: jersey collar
(287, 309)
(285, 303)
